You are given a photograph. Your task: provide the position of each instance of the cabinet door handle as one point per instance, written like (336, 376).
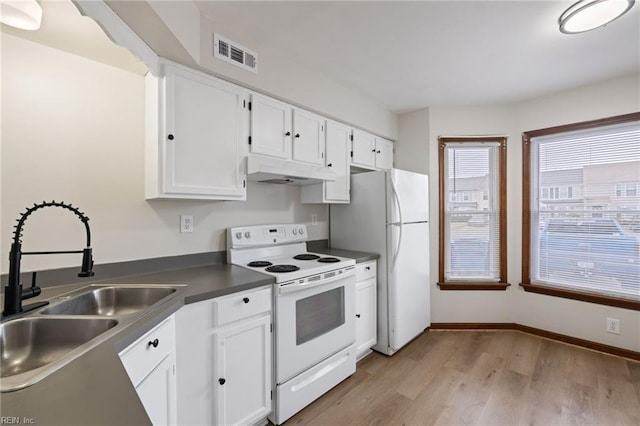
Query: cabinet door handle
(373, 150)
(357, 315)
(288, 134)
(222, 381)
(330, 164)
(297, 135)
(170, 137)
(378, 152)
(154, 343)
(368, 268)
(245, 300)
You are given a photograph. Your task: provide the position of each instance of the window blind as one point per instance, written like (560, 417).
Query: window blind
(585, 210)
(471, 204)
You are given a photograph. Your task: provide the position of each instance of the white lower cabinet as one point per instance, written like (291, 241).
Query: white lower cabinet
(366, 334)
(150, 364)
(242, 362)
(224, 356)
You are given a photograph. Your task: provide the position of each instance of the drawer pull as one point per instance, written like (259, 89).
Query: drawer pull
(245, 300)
(222, 381)
(154, 343)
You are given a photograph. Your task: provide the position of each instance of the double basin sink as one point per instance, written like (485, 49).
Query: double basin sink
(40, 343)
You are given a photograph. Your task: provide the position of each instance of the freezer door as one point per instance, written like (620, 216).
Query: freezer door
(408, 196)
(408, 281)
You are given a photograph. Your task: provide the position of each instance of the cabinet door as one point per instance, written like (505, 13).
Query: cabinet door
(337, 150)
(203, 135)
(242, 380)
(363, 147)
(384, 154)
(157, 393)
(270, 127)
(366, 335)
(194, 362)
(308, 137)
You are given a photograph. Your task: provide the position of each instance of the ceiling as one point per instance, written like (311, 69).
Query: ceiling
(410, 55)
(64, 28)
(402, 55)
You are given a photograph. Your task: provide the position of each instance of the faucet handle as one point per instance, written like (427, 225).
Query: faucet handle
(32, 291)
(87, 263)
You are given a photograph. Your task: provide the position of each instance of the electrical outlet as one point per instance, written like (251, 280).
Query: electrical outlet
(314, 219)
(186, 223)
(613, 325)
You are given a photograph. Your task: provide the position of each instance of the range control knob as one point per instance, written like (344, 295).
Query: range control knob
(238, 235)
(247, 234)
(301, 231)
(295, 231)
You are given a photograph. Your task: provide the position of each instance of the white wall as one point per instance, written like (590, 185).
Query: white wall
(281, 76)
(580, 319)
(569, 317)
(73, 130)
(411, 152)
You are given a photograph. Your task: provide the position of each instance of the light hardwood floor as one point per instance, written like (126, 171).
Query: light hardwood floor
(483, 378)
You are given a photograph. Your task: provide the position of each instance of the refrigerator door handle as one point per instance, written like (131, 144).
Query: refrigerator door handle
(396, 199)
(399, 223)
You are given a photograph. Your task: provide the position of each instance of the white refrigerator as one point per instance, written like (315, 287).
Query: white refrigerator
(389, 215)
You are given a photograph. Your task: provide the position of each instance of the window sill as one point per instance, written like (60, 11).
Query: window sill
(473, 286)
(584, 297)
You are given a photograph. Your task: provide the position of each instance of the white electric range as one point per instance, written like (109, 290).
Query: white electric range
(314, 311)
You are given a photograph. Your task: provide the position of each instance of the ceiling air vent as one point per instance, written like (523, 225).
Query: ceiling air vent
(234, 53)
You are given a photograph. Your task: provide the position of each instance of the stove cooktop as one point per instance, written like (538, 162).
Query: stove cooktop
(279, 251)
(297, 266)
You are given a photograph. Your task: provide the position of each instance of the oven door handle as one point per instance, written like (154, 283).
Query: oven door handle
(290, 288)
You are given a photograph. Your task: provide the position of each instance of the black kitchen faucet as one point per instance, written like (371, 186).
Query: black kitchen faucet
(13, 293)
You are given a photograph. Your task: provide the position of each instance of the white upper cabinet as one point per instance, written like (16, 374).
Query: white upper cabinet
(283, 131)
(371, 152)
(196, 132)
(271, 128)
(308, 137)
(337, 147)
(384, 154)
(363, 148)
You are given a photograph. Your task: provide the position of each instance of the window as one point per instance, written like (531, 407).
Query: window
(581, 211)
(472, 213)
(627, 189)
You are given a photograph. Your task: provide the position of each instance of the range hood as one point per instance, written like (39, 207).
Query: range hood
(261, 168)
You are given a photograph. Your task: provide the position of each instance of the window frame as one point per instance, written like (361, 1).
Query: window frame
(502, 284)
(526, 283)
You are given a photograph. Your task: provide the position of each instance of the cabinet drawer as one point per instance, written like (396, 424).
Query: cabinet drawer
(142, 356)
(365, 270)
(236, 306)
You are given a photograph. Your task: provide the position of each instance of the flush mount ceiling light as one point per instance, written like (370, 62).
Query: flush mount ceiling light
(586, 15)
(23, 14)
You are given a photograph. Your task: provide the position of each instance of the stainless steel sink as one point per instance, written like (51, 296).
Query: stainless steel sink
(29, 343)
(34, 346)
(110, 301)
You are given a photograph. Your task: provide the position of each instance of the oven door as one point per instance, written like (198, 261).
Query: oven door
(313, 321)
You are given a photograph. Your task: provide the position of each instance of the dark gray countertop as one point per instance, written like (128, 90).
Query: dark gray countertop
(359, 256)
(95, 388)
